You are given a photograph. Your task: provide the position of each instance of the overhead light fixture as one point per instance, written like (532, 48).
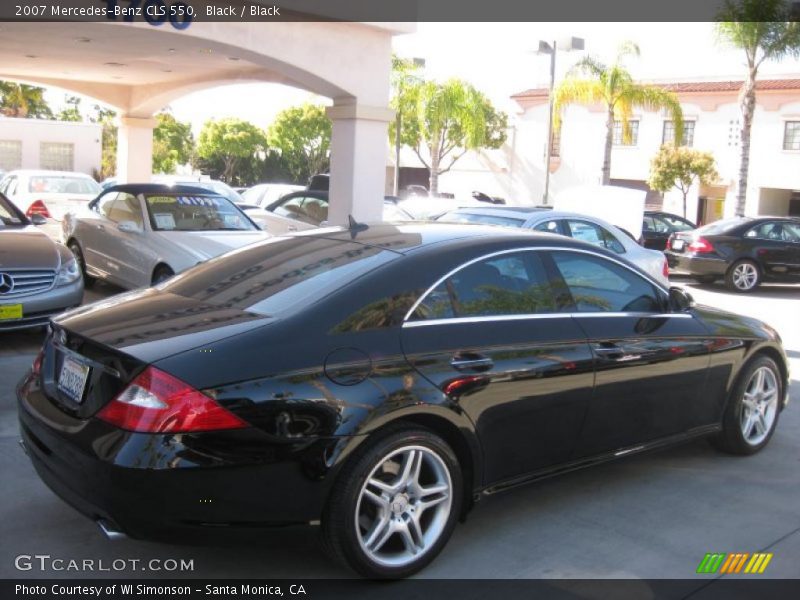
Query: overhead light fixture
(234, 58)
(166, 70)
(116, 65)
(205, 51)
(83, 40)
(171, 50)
(31, 56)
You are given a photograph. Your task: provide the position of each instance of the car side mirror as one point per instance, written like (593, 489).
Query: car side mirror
(680, 300)
(128, 227)
(38, 219)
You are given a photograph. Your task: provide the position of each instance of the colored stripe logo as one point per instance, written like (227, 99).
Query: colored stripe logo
(736, 562)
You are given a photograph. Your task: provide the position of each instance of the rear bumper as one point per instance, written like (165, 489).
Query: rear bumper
(158, 486)
(696, 265)
(38, 309)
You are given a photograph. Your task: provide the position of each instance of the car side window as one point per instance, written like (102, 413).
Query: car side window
(510, 284)
(105, 203)
(307, 209)
(776, 231)
(595, 234)
(600, 285)
(4, 185)
(547, 226)
(653, 224)
(11, 187)
(126, 208)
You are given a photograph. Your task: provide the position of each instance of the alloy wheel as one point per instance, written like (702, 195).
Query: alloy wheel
(403, 506)
(759, 406)
(745, 276)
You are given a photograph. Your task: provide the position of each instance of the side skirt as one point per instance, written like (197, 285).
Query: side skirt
(598, 459)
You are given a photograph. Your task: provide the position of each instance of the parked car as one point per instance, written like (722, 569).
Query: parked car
(212, 185)
(581, 227)
(50, 194)
(743, 251)
(137, 235)
(39, 277)
(378, 381)
(429, 207)
(658, 226)
(264, 194)
(308, 209)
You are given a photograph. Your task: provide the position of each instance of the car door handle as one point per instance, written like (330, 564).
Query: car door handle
(471, 363)
(612, 352)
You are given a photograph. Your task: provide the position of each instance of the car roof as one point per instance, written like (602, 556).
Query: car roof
(414, 237)
(521, 211)
(46, 172)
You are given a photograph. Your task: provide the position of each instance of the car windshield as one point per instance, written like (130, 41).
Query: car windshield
(722, 225)
(461, 217)
(395, 213)
(195, 212)
(279, 276)
(63, 184)
(9, 217)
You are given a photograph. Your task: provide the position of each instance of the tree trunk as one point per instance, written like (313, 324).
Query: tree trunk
(748, 105)
(433, 186)
(684, 203)
(606, 173)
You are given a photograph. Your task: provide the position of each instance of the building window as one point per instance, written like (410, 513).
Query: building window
(669, 133)
(57, 156)
(791, 135)
(618, 139)
(10, 155)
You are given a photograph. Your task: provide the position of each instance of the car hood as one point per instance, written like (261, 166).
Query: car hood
(151, 324)
(27, 248)
(208, 244)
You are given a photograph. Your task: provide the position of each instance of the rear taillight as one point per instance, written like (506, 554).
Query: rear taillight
(157, 402)
(701, 246)
(38, 208)
(665, 269)
(36, 367)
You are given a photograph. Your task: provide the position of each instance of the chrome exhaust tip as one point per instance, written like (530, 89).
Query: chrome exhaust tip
(110, 531)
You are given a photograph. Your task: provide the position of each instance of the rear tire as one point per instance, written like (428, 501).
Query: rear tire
(394, 504)
(161, 274)
(753, 409)
(743, 276)
(75, 248)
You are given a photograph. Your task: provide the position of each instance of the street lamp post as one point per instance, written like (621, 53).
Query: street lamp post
(573, 43)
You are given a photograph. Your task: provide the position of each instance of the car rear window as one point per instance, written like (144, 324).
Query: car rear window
(195, 212)
(722, 226)
(279, 276)
(62, 184)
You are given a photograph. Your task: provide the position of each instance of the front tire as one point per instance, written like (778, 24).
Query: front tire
(753, 409)
(75, 248)
(743, 276)
(394, 505)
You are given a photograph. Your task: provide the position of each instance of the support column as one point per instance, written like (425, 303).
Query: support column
(358, 162)
(135, 149)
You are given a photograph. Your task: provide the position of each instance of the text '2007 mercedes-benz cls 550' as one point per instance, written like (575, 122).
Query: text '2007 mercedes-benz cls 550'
(378, 380)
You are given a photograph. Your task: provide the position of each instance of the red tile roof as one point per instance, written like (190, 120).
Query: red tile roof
(689, 87)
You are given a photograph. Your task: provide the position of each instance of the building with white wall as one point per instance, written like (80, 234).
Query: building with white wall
(44, 144)
(712, 114)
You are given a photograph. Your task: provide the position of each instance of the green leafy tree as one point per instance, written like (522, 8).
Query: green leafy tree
(20, 100)
(107, 118)
(592, 82)
(301, 135)
(680, 167)
(405, 74)
(72, 112)
(765, 30)
(173, 143)
(231, 142)
(445, 120)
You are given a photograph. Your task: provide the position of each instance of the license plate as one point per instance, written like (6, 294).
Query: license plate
(677, 245)
(72, 379)
(10, 311)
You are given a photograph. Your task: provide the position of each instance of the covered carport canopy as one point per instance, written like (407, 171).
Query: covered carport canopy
(138, 69)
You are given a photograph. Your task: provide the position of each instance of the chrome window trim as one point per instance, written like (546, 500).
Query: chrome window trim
(525, 317)
(452, 272)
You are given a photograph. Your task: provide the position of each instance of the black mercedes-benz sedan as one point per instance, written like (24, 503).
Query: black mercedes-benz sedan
(743, 251)
(378, 381)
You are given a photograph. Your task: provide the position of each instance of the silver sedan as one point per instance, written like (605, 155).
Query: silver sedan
(39, 278)
(137, 235)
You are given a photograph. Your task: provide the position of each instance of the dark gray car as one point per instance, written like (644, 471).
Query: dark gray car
(39, 278)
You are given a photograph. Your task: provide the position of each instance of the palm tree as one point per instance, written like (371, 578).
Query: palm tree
(764, 29)
(20, 100)
(449, 119)
(592, 82)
